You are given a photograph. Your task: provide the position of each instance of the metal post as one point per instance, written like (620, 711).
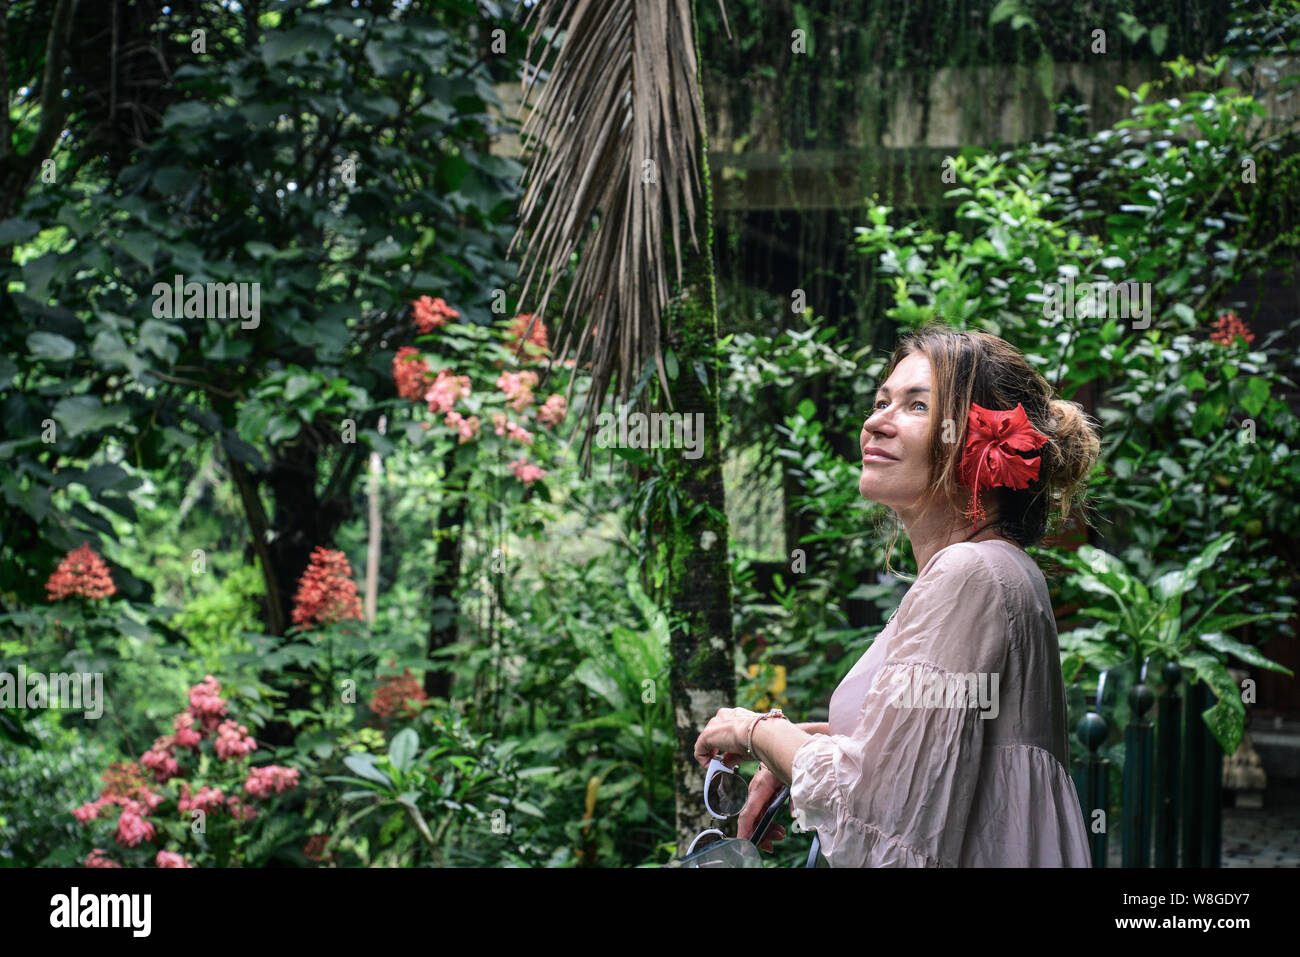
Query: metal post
(1168, 738)
(1137, 779)
(1193, 790)
(1211, 798)
(1096, 777)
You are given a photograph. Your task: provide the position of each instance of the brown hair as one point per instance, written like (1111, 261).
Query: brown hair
(968, 366)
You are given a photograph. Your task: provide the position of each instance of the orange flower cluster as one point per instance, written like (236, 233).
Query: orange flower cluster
(83, 573)
(326, 591)
(409, 373)
(1228, 326)
(535, 346)
(432, 314)
(122, 779)
(396, 694)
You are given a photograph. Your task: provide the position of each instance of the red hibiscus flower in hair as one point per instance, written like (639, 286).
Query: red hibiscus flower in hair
(990, 459)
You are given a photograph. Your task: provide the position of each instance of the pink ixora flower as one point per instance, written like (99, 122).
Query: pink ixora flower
(468, 428)
(518, 432)
(171, 859)
(446, 391)
(233, 741)
(90, 810)
(186, 736)
(553, 410)
(526, 473)
(518, 387)
(271, 778)
(96, 858)
(208, 800)
(161, 759)
(239, 810)
(132, 828)
(206, 704)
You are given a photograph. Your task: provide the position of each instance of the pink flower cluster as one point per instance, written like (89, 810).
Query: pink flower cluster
(161, 759)
(186, 736)
(504, 426)
(208, 800)
(206, 703)
(233, 741)
(446, 391)
(526, 473)
(125, 785)
(553, 410)
(143, 803)
(262, 781)
(132, 828)
(468, 428)
(518, 387)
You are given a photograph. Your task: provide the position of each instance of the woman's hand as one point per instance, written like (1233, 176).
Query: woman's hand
(762, 790)
(724, 734)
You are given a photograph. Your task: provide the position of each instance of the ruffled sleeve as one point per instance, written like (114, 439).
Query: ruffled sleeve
(898, 791)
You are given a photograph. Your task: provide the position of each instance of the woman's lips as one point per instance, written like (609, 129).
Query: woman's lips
(876, 457)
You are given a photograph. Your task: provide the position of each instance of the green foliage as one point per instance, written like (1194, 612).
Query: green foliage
(214, 622)
(1141, 624)
(40, 786)
(440, 795)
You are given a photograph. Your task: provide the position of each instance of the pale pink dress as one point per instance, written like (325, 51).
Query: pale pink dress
(902, 781)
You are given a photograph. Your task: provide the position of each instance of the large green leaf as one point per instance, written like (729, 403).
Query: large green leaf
(80, 414)
(402, 749)
(600, 681)
(281, 44)
(1247, 653)
(49, 345)
(364, 766)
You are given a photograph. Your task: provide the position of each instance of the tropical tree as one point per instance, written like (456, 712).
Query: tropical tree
(619, 179)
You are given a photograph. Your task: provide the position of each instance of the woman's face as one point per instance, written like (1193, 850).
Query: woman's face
(899, 426)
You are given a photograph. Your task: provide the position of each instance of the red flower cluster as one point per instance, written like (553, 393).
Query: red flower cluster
(409, 372)
(83, 573)
(432, 314)
(1228, 326)
(326, 591)
(396, 694)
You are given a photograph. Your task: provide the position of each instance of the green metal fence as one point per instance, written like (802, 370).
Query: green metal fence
(1171, 805)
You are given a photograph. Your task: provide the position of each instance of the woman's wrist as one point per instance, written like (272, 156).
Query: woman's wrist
(815, 727)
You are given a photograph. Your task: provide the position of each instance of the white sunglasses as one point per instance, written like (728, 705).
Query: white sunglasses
(725, 794)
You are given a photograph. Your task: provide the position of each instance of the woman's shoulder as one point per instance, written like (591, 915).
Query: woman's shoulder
(956, 615)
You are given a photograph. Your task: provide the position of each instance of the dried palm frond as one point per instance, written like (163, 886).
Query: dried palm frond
(615, 138)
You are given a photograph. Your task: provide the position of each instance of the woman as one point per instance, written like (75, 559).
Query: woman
(947, 742)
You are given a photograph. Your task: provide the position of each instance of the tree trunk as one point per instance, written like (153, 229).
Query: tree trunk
(697, 571)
